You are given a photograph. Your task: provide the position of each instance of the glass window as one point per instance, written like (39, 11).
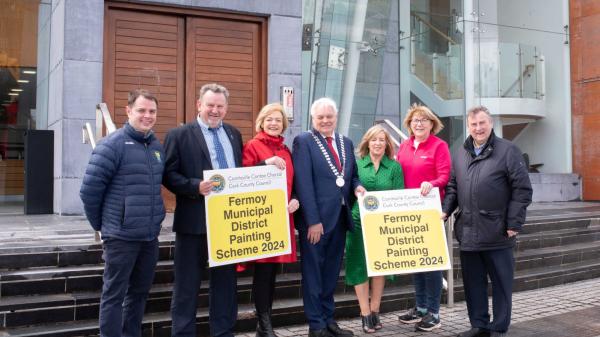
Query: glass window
(18, 90)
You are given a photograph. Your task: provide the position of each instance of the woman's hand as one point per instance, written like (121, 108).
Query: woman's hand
(426, 188)
(293, 206)
(277, 161)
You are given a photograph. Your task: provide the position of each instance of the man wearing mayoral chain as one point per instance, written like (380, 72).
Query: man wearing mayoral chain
(326, 180)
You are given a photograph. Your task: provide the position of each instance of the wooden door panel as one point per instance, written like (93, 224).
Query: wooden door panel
(144, 50)
(174, 53)
(229, 53)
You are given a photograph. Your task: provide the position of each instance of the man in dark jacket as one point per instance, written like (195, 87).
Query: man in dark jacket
(121, 198)
(490, 186)
(206, 143)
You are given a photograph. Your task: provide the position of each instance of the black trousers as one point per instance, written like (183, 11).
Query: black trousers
(263, 286)
(476, 266)
(191, 254)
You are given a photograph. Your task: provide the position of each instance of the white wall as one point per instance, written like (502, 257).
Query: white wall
(538, 23)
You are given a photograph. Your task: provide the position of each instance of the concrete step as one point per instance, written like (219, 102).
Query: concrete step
(62, 256)
(290, 311)
(26, 310)
(51, 280)
(74, 254)
(541, 247)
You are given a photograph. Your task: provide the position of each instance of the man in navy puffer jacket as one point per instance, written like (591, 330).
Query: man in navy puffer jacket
(121, 197)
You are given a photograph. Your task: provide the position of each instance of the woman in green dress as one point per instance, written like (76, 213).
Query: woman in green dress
(377, 171)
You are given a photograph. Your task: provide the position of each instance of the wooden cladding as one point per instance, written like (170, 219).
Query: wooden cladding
(12, 177)
(145, 50)
(174, 51)
(228, 53)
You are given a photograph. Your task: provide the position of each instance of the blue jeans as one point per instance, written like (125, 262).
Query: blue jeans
(128, 275)
(428, 290)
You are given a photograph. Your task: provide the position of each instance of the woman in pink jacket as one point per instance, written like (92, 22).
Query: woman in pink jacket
(425, 161)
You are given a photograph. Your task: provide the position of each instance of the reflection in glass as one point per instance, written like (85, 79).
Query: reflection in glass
(18, 74)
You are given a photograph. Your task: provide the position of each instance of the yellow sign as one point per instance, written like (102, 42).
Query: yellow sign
(246, 214)
(403, 232)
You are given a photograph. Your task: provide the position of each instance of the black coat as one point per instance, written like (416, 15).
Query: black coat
(492, 191)
(187, 157)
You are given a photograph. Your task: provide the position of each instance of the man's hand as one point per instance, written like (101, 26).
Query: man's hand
(511, 233)
(314, 233)
(277, 161)
(205, 187)
(359, 191)
(293, 206)
(444, 216)
(426, 188)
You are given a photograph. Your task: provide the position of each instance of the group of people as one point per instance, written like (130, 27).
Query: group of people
(486, 182)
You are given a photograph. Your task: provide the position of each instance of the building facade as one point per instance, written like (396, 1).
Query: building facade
(531, 64)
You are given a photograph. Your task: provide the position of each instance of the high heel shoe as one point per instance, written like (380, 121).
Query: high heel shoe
(367, 324)
(375, 319)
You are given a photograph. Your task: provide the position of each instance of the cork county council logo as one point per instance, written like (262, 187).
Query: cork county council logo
(218, 182)
(371, 203)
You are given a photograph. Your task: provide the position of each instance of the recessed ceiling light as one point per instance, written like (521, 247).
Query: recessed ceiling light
(13, 94)
(23, 81)
(16, 90)
(28, 71)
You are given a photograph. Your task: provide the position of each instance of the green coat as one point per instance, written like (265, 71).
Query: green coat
(388, 177)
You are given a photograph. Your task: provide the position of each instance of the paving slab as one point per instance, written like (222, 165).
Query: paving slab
(570, 310)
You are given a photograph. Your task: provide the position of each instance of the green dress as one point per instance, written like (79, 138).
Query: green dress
(388, 177)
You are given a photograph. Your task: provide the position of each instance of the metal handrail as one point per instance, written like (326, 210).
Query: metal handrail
(528, 69)
(103, 119)
(433, 28)
(450, 274)
(434, 14)
(397, 132)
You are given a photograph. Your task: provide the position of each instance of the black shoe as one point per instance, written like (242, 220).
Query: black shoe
(474, 332)
(319, 333)
(411, 316)
(376, 322)
(336, 331)
(428, 323)
(367, 324)
(498, 334)
(264, 328)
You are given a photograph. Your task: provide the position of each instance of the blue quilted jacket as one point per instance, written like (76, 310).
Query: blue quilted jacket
(121, 186)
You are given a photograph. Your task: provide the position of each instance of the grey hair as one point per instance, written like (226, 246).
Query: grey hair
(216, 88)
(477, 109)
(323, 101)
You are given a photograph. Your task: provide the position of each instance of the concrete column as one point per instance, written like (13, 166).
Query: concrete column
(74, 87)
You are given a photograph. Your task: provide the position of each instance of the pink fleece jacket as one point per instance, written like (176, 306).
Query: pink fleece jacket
(430, 161)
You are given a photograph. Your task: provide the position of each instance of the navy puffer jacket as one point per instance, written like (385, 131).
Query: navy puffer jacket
(121, 186)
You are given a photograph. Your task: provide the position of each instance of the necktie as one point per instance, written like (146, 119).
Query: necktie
(218, 148)
(335, 156)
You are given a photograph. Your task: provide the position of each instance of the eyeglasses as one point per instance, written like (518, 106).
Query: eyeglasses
(419, 121)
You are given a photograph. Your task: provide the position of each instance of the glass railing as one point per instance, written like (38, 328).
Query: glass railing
(510, 70)
(502, 69)
(436, 57)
